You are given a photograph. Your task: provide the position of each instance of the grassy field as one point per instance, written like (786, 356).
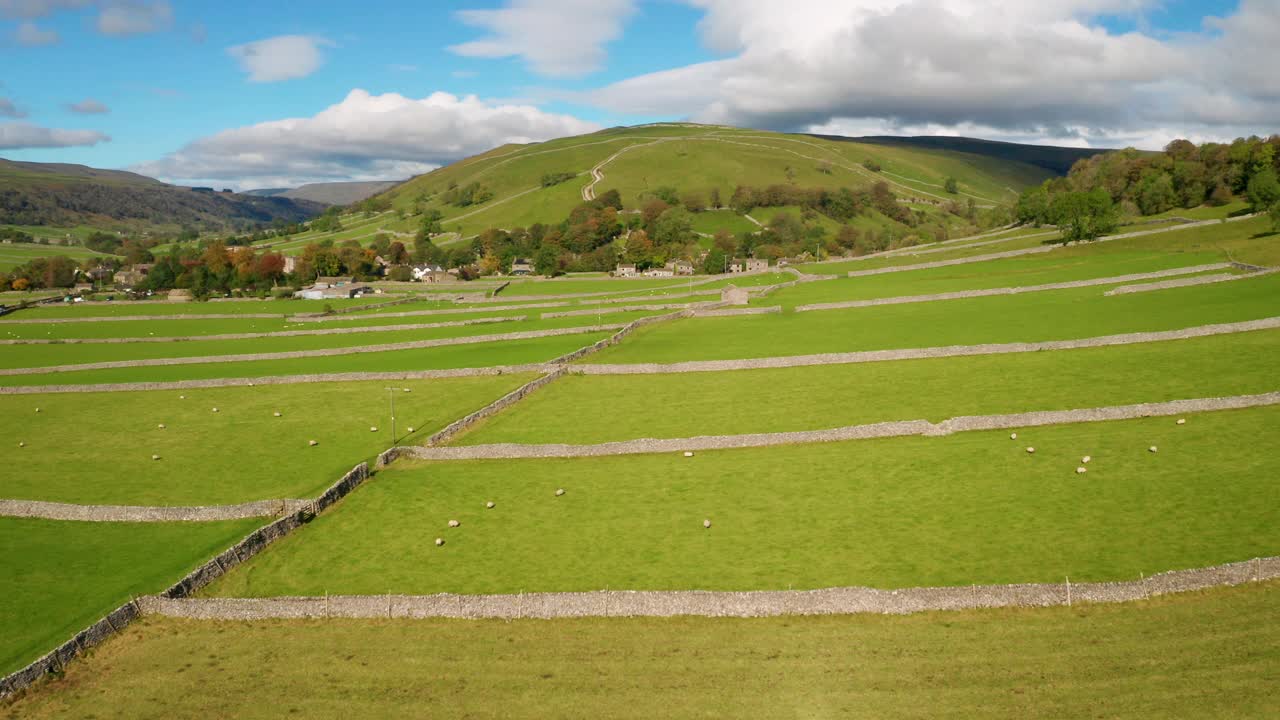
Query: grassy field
(1052, 315)
(161, 307)
(967, 508)
(1192, 655)
(57, 577)
(512, 352)
(96, 447)
(713, 221)
(33, 356)
(595, 409)
(15, 254)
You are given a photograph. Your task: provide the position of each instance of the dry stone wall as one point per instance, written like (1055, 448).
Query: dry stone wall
(1183, 282)
(511, 451)
(1016, 290)
(700, 603)
(459, 426)
(143, 513)
(925, 353)
(735, 312)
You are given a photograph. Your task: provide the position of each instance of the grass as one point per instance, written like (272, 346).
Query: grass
(1050, 315)
(967, 508)
(14, 254)
(490, 354)
(596, 408)
(96, 448)
(1199, 654)
(58, 577)
(162, 307)
(47, 355)
(713, 221)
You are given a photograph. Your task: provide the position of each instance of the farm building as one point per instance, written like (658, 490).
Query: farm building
(626, 270)
(522, 266)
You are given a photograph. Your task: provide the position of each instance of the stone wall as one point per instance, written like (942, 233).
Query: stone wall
(459, 426)
(511, 451)
(421, 313)
(1016, 290)
(275, 380)
(118, 619)
(735, 312)
(701, 603)
(358, 308)
(278, 334)
(1183, 282)
(620, 335)
(145, 513)
(146, 318)
(926, 353)
(325, 352)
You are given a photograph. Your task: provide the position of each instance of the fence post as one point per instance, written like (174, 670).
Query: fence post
(1068, 591)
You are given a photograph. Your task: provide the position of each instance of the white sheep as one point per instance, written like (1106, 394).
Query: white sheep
(1086, 459)
(1031, 450)
(155, 457)
(161, 426)
(276, 413)
(439, 542)
(22, 444)
(559, 492)
(489, 504)
(215, 409)
(1182, 421)
(688, 454)
(182, 397)
(1153, 448)
(1013, 436)
(410, 430)
(37, 409)
(1081, 470)
(373, 429)
(313, 443)
(706, 523)
(454, 523)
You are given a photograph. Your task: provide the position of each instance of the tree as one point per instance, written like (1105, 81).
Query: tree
(1275, 217)
(693, 201)
(1264, 190)
(715, 262)
(1083, 216)
(639, 248)
(951, 185)
(673, 227)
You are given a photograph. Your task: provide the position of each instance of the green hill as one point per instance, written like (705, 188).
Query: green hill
(519, 185)
(61, 195)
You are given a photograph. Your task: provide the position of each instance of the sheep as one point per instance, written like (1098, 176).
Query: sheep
(1082, 470)
(276, 413)
(439, 542)
(559, 492)
(688, 454)
(161, 426)
(1153, 448)
(406, 389)
(706, 524)
(37, 409)
(410, 431)
(155, 457)
(215, 409)
(373, 429)
(1031, 451)
(454, 523)
(1086, 459)
(182, 397)
(1182, 421)
(313, 443)
(1013, 436)
(22, 444)
(489, 504)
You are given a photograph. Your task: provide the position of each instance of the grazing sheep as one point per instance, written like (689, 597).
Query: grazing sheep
(1031, 450)
(22, 444)
(410, 429)
(1081, 470)
(37, 409)
(406, 389)
(182, 397)
(161, 426)
(276, 414)
(688, 454)
(313, 443)
(373, 429)
(559, 492)
(454, 523)
(1182, 421)
(1086, 459)
(215, 409)
(489, 504)
(706, 523)
(439, 542)
(155, 457)
(1153, 448)
(1013, 436)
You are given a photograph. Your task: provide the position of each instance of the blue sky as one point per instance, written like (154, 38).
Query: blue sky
(173, 84)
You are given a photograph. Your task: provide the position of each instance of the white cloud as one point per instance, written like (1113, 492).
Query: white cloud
(29, 34)
(554, 37)
(19, 136)
(9, 110)
(285, 57)
(32, 9)
(1014, 68)
(364, 137)
(134, 17)
(88, 106)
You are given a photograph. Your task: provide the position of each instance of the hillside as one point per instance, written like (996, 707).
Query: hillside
(73, 195)
(519, 185)
(331, 193)
(1056, 160)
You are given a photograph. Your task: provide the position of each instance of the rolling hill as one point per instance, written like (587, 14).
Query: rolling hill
(331, 193)
(541, 183)
(73, 195)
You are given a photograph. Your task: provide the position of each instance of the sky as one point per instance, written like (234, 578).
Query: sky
(255, 94)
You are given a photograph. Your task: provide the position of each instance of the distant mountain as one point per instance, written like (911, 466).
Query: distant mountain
(64, 195)
(1057, 160)
(266, 192)
(339, 193)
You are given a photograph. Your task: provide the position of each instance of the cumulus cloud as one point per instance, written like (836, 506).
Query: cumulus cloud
(134, 17)
(29, 34)
(364, 137)
(285, 57)
(22, 136)
(554, 37)
(9, 110)
(88, 106)
(1008, 67)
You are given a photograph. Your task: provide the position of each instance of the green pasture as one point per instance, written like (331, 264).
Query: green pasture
(14, 254)
(967, 508)
(713, 221)
(1034, 317)
(603, 408)
(160, 306)
(58, 577)
(97, 448)
(487, 354)
(1178, 656)
(47, 355)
